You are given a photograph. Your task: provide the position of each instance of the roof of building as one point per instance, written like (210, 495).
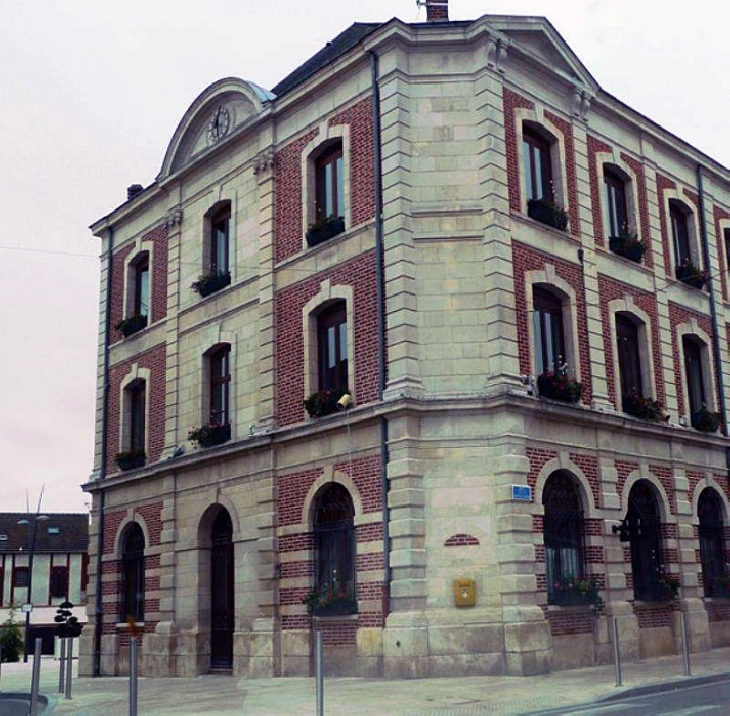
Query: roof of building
(341, 44)
(61, 532)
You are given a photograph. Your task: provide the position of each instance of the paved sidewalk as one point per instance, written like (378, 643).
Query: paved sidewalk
(468, 696)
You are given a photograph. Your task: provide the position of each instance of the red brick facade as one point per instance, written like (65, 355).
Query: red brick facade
(662, 184)
(596, 146)
(360, 274)
(610, 290)
(719, 214)
(289, 220)
(566, 129)
(512, 101)
(154, 361)
(158, 280)
(525, 258)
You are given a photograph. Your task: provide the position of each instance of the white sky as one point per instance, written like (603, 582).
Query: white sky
(91, 93)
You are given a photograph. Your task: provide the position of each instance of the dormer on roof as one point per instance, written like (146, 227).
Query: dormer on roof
(218, 112)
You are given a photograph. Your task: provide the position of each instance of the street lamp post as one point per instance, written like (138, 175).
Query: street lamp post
(31, 553)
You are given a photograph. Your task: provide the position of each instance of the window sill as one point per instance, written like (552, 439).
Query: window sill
(572, 607)
(336, 618)
(124, 625)
(527, 219)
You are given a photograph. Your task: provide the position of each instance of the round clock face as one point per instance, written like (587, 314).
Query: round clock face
(219, 124)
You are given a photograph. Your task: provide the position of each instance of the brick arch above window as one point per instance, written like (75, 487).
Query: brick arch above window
(563, 463)
(330, 475)
(711, 483)
(665, 504)
(131, 518)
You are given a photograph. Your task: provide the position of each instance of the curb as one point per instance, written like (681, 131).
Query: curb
(663, 687)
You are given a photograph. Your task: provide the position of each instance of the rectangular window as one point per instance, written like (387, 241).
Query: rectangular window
(629, 363)
(693, 374)
(20, 576)
(547, 320)
(615, 204)
(137, 395)
(330, 189)
(59, 583)
(219, 234)
(680, 234)
(536, 166)
(332, 340)
(142, 288)
(220, 381)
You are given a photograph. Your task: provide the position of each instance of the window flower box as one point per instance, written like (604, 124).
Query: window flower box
(547, 212)
(325, 229)
(719, 588)
(645, 408)
(131, 325)
(705, 420)
(324, 402)
(690, 274)
(211, 282)
(211, 434)
(558, 385)
(628, 246)
(667, 588)
(331, 603)
(131, 459)
(576, 592)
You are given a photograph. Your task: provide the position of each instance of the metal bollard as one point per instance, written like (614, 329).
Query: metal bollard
(318, 673)
(62, 665)
(35, 681)
(685, 647)
(133, 676)
(69, 665)
(616, 652)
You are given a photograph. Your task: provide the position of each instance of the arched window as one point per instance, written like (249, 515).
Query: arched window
(712, 543)
(644, 531)
(332, 346)
(334, 544)
(629, 361)
(548, 330)
(132, 573)
(563, 535)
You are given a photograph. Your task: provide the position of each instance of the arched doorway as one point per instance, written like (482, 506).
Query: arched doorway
(563, 534)
(712, 543)
(221, 592)
(335, 552)
(643, 520)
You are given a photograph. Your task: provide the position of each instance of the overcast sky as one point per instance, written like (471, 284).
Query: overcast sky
(92, 92)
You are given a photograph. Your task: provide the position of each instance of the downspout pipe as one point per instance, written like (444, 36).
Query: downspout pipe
(380, 310)
(98, 607)
(713, 307)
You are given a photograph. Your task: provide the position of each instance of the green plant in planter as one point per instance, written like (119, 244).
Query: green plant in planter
(324, 402)
(131, 325)
(548, 212)
(325, 229)
(211, 434)
(11, 638)
(640, 407)
(558, 385)
(705, 420)
(577, 591)
(690, 274)
(627, 245)
(211, 282)
(130, 459)
(668, 587)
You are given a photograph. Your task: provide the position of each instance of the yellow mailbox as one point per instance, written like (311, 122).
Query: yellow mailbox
(465, 592)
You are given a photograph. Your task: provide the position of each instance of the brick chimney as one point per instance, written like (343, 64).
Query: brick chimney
(437, 10)
(134, 190)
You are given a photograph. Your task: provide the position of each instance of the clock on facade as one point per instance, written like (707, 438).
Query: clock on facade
(219, 124)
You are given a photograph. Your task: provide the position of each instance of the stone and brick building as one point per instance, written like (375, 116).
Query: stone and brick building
(520, 282)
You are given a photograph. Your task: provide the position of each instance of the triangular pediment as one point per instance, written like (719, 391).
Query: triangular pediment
(537, 39)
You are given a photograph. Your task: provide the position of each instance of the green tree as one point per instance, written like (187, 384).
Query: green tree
(11, 639)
